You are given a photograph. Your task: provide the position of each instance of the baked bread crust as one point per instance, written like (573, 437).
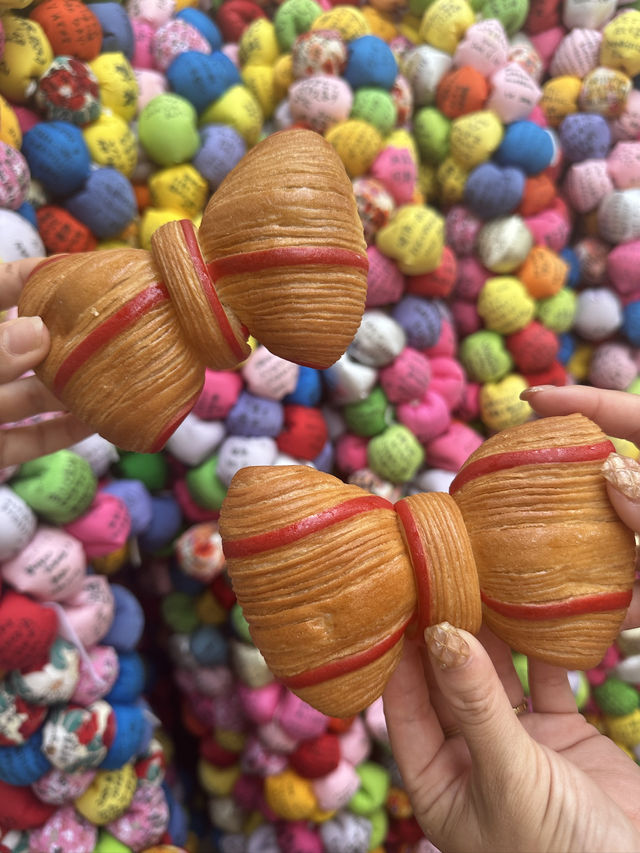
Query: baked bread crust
(545, 535)
(280, 255)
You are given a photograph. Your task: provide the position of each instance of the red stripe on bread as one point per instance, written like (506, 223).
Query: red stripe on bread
(539, 456)
(104, 332)
(209, 290)
(419, 564)
(305, 527)
(47, 262)
(343, 666)
(286, 256)
(577, 606)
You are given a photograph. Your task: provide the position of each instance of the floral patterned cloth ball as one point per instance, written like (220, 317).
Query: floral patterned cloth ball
(68, 91)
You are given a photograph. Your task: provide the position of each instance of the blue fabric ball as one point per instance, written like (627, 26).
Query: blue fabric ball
(182, 582)
(128, 620)
(203, 23)
(137, 498)
(325, 459)
(492, 191)
(117, 32)
(252, 415)
(370, 62)
(221, 150)
(308, 390)
(58, 156)
(24, 764)
(166, 520)
(421, 320)
(130, 731)
(28, 211)
(567, 347)
(208, 646)
(202, 78)
(584, 136)
(570, 257)
(106, 204)
(527, 146)
(178, 827)
(631, 323)
(130, 681)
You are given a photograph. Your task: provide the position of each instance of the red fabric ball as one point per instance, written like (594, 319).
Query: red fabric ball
(304, 433)
(234, 17)
(438, 283)
(223, 592)
(405, 829)
(533, 348)
(71, 28)
(461, 91)
(211, 751)
(32, 718)
(543, 15)
(21, 809)
(316, 757)
(555, 375)
(68, 91)
(339, 725)
(27, 632)
(61, 232)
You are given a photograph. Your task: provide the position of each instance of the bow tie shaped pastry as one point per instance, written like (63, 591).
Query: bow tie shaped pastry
(280, 254)
(331, 579)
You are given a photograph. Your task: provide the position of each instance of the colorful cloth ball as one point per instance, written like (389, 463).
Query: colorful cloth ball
(68, 91)
(71, 28)
(14, 177)
(203, 23)
(176, 37)
(370, 63)
(202, 78)
(222, 148)
(117, 32)
(318, 52)
(106, 204)
(57, 156)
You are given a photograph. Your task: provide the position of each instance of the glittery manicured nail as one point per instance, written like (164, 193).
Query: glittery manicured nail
(446, 645)
(534, 389)
(623, 473)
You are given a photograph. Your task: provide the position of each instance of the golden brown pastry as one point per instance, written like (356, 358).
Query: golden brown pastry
(555, 563)
(280, 254)
(332, 578)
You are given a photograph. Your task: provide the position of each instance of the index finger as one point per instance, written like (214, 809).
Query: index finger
(617, 413)
(13, 276)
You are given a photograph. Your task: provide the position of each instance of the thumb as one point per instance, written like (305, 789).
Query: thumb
(622, 474)
(477, 700)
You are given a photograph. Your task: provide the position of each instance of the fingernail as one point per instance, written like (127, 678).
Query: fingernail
(22, 335)
(447, 645)
(623, 473)
(534, 389)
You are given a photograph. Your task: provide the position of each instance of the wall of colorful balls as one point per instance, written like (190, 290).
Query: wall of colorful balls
(494, 152)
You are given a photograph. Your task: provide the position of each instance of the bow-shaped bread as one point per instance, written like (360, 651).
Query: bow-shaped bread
(280, 255)
(332, 578)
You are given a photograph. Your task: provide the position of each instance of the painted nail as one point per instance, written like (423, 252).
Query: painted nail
(22, 335)
(534, 389)
(447, 645)
(623, 473)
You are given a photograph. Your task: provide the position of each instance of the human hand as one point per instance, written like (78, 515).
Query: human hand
(617, 413)
(24, 342)
(541, 781)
